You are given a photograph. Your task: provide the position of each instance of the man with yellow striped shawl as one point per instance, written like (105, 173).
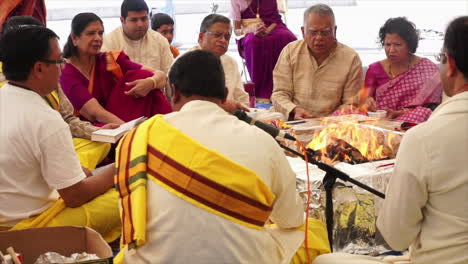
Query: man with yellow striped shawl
(198, 185)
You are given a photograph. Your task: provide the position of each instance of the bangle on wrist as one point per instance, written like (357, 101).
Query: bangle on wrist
(154, 81)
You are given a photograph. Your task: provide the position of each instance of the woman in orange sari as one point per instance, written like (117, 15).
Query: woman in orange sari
(107, 87)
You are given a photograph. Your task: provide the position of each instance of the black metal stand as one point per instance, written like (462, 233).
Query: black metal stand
(331, 174)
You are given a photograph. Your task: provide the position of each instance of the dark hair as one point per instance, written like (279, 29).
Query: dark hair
(456, 43)
(198, 72)
(209, 20)
(78, 25)
(132, 5)
(22, 47)
(15, 21)
(404, 28)
(159, 19)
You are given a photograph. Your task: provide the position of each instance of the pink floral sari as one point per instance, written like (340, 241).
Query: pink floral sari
(418, 89)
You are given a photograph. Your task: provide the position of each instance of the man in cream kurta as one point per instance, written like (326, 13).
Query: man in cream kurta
(314, 76)
(425, 205)
(142, 44)
(214, 36)
(178, 231)
(233, 79)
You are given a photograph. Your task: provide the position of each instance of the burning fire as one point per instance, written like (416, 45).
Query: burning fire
(330, 145)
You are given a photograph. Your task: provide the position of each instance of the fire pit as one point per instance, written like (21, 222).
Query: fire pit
(361, 148)
(349, 140)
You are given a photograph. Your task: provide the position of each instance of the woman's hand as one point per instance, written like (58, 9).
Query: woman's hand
(93, 111)
(266, 30)
(110, 126)
(260, 31)
(142, 87)
(392, 114)
(370, 103)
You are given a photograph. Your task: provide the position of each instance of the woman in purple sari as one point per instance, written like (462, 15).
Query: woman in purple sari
(107, 87)
(405, 85)
(263, 36)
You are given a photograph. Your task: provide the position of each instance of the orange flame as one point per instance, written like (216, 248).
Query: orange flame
(372, 143)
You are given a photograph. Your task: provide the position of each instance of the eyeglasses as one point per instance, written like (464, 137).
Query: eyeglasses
(61, 61)
(219, 35)
(441, 57)
(323, 33)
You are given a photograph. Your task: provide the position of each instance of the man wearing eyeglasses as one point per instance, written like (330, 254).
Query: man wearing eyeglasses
(214, 36)
(41, 180)
(425, 205)
(316, 75)
(90, 153)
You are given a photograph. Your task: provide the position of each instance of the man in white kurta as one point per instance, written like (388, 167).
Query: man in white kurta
(38, 164)
(314, 76)
(178, 231)
(142, 44)
(425, 206)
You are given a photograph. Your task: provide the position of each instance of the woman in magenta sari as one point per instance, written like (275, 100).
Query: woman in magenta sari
(405, 85)
(264, 35)
(107, 87)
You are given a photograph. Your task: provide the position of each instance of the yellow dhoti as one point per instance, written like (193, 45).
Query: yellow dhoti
(317, 242)
(90, 153)
(101, 214)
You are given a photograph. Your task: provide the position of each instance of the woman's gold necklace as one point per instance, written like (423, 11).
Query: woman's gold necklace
(390, 67)
(86, 71)
(258, 9)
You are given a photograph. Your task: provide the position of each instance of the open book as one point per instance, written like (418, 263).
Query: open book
(112, 135)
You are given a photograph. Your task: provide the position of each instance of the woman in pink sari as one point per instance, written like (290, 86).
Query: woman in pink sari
(107, 87)
(405, 85)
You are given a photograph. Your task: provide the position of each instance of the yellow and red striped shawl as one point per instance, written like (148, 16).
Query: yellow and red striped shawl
(52, 99)
(189, 170)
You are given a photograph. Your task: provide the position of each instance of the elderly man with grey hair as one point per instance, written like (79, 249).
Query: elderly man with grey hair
(315, 76)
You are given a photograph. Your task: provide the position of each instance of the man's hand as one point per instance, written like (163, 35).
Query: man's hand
(87, 172)
(231, 106)
(110, 126)
(300, 113)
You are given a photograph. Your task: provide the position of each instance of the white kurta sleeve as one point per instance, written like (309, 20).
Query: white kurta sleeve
(401, 216)
(288, 210)
(59, 164)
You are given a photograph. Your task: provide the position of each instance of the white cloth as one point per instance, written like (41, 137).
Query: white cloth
(233, 79)
(344, 258)
(179, 232)
(37, 156)
(426, 202)
(152, 51)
